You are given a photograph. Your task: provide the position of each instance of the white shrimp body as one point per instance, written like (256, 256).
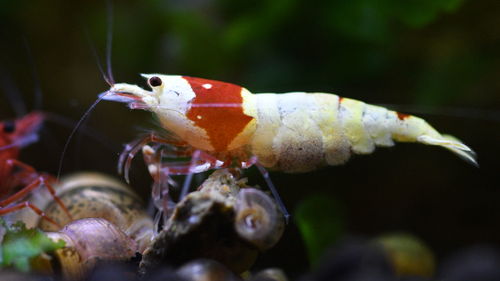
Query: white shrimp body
(291, 132)
(299, 132)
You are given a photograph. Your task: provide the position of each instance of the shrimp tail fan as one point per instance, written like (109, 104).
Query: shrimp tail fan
(453, 144)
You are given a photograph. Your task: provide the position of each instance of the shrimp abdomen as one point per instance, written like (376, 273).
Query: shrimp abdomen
(299, 132)
(382, 127)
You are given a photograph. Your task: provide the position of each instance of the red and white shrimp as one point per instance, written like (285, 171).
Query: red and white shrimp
(223, 125)
(290, 132)
(14, 135)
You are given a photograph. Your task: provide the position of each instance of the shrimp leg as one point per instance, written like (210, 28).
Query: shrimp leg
(131, 149)
(27, 204)
(41, 180)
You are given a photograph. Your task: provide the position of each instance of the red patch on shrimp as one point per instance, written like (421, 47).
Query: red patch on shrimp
(340, 101)
(402, 116)
(218, 109)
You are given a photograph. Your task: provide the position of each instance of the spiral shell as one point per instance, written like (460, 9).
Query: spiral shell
(108, 222)
(206, 270)
(92, 195)
(258, 220)
(270, 274)
(88, 241)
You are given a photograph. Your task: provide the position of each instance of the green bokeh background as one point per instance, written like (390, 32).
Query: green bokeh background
(437, 59)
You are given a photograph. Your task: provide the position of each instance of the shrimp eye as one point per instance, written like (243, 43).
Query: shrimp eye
(155, 81)
(9, 127)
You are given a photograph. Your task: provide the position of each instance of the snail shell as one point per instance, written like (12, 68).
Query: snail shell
(88, 241)
(92, 195)
(109, 222)
(206, 270)
(258, 220)
(270, 274)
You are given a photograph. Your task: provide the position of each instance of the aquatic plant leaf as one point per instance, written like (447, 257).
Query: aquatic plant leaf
(319, 220)
(19, 245)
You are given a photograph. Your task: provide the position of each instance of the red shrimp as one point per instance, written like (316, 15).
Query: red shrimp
(14, 135)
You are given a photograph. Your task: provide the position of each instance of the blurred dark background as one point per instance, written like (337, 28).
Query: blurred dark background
(436, 59)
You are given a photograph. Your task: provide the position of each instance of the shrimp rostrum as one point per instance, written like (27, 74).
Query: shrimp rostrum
(290, 132)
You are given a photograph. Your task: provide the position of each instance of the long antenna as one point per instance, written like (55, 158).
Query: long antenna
(108, 78)
(108, 75)
(80, 122)
(109, 42)
(96, 57)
